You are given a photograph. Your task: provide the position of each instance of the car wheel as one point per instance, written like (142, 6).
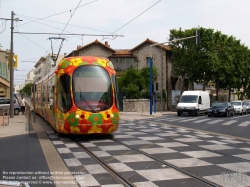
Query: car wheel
(209, 115)
(16, 111)
(178, 113)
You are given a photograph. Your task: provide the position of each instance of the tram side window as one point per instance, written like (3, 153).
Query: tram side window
(115, 88)
(63, 100)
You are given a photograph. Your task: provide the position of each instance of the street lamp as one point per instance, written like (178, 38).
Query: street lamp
(197, 36)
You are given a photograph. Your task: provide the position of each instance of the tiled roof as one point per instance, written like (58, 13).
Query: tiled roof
(166, 47)
(79, 48)
(122, 53)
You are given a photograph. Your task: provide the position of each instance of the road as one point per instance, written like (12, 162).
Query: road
(237, 125)
(162, 151)
(165, 150)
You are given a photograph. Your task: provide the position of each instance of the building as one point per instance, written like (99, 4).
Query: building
(4, 74)
(30, 77)
(139, 57)
(44, 66)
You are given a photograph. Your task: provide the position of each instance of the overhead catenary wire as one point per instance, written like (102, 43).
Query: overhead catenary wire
(81, 35)
(71, 16)
(134, 18)
(115, 35)
(28, 17)
(58, 13)
(62, 39)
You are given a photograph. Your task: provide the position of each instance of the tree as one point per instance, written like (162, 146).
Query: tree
(197, 62)
(218, 58)
(27, 89)
(135, 83)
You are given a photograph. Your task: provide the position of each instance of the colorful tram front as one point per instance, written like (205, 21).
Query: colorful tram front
(85, 100)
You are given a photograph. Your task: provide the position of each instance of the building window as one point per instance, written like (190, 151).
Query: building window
(148, 62)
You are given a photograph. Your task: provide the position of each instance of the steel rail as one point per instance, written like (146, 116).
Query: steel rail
(118, 177)
(170, 165)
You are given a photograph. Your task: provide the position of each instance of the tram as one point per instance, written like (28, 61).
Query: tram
(79, 96)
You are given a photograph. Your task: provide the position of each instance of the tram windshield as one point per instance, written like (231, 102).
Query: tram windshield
(92, 88)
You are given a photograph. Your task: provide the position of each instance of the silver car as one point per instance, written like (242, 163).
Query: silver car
(239, 107)
(5, 104)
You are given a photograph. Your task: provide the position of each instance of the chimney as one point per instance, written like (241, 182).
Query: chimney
(107, 44)
(78, 47)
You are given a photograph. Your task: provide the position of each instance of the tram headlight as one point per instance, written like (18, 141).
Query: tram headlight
(77, 116)
(111, 115)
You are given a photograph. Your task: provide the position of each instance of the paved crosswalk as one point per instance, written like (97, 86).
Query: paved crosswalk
(236, 120)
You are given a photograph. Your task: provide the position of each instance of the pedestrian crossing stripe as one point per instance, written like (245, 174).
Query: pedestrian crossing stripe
(245, 123)
(207, 121)
(229, 122)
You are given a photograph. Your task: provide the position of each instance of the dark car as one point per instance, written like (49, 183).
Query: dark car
(221, 109)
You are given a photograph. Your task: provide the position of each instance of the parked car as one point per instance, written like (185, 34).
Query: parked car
(247, 104)
(5, 104)
(239, 107)
(221, 109)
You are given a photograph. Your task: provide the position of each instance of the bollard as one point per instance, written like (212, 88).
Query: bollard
(5, 117)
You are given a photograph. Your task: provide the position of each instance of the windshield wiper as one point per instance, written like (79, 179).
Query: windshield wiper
(83, 98)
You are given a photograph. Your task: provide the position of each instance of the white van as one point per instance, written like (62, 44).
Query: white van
(193, 102)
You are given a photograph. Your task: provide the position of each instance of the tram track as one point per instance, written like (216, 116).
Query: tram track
(125, 181)
(171, 165)
(109, 169)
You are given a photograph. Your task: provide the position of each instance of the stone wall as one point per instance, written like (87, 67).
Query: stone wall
(95, 50)
(140, 105)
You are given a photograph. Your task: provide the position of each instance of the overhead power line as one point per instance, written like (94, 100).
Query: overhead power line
(136, 17)
(71, 15)
(57, 13)
(114, 35)
(28, 17)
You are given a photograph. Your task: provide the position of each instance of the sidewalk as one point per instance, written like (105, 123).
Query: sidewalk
(139, 115)
(27, 148)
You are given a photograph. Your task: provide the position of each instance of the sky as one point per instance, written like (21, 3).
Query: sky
(133, 20)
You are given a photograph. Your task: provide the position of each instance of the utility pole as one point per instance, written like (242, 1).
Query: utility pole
(11, 69)
(12, 66)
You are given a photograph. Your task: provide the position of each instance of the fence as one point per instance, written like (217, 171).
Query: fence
(5, 117)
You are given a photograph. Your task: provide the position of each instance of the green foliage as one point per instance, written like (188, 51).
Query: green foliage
(135, 83)
(26, 89)
(219, 58)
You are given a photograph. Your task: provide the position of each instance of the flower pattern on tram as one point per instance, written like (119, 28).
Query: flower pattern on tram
(95, 119)
(72, 120)
(64, 64)
(95, 129)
